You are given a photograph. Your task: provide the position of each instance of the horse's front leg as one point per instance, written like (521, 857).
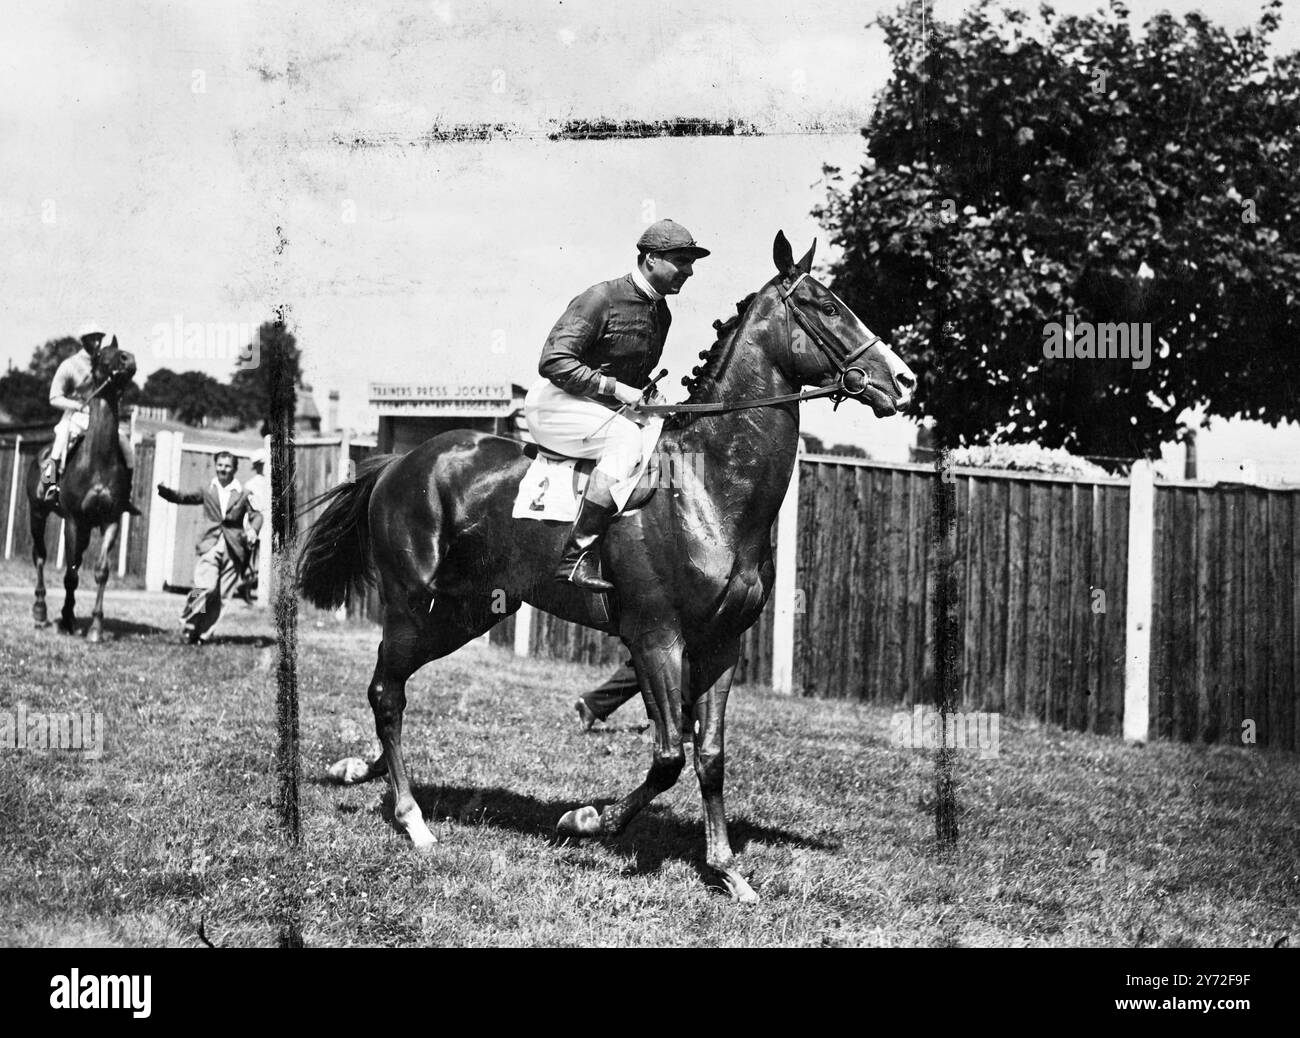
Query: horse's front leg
(710, 708)
(103, 566)
(76, 537)
(659, 670)
(40, 616)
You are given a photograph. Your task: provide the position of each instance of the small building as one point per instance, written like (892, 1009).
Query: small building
(410, 413)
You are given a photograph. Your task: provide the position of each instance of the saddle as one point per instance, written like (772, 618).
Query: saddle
(552, 488)
(554, 484)
(50, 494)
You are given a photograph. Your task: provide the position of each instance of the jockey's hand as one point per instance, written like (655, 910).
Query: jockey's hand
(626, 394)
(656, 397)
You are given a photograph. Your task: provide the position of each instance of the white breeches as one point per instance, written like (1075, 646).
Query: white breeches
(567, 424)
(73, 425)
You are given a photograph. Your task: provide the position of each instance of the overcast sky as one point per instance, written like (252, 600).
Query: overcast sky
(164, 162)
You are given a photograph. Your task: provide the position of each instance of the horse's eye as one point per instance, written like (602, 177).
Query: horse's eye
(829, 309)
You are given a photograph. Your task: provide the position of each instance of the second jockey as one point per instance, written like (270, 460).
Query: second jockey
(70, 389)
(598, 358)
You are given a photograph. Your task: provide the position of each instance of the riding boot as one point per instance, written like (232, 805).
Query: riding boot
(50, 483)
(580, 564)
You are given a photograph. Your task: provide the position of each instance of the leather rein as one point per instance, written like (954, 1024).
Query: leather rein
(852, 381)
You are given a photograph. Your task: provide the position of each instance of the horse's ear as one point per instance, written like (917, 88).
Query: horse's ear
(113, 345)
(782, 254)
(805, 264)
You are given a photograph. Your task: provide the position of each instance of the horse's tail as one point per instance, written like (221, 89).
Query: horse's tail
(336, 558)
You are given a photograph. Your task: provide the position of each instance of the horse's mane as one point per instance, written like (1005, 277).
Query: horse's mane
(705, 377)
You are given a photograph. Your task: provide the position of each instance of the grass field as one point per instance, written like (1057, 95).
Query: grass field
(1065, 839)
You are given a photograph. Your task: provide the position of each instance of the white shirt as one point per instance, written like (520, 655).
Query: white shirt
(259, 497)
(639, 280)
(226, 494)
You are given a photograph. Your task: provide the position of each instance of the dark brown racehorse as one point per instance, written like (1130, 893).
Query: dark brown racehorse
(693, 567)
(94, 492)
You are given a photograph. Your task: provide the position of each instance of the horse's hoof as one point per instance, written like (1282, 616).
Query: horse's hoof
(41, 624)
(94, 637)
(585, 821)
(413, 824)
(423, 842)
(349, 770)
(733, 884)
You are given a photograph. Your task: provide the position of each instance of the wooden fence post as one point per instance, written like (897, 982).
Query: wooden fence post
(787, 572)
(160, 552)
(13, 497)
(124, 534)
(524, 630)
(1137, 638)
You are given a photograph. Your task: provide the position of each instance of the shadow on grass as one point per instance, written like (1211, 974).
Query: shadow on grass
(113, 628)
(655, 836)
(260, 641)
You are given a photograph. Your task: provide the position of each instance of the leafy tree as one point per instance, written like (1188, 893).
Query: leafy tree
(46, 359)
(191, 395)
(1017, 172)
(848, 450)
(26, 394)
(252, 384)
(26, 397)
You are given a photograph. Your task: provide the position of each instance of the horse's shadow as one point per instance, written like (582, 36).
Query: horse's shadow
(259, 641)
(113, 628)
(655, 836)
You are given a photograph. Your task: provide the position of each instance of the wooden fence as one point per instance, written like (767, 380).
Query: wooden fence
(16, 454)
(1225, 629)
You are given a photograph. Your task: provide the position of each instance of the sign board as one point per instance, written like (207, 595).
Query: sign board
(442, 399)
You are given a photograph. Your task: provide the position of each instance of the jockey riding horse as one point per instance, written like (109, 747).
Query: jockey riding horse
(70, 391)
(596, 360)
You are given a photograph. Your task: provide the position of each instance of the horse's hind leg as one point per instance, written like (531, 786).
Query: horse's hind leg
(103, 566)
(407, 646)
(659, 668)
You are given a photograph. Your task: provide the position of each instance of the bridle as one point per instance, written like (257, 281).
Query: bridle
(109, 380)
(852, 379)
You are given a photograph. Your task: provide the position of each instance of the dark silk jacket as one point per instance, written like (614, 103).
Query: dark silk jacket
(612, 330)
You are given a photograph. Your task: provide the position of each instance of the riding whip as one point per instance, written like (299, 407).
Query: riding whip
(649, 386)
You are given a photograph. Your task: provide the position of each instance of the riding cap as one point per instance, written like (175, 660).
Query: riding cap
(667, 236)
(91, 328)
(258, 458)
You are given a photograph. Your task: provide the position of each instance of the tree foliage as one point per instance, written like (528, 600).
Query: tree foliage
(1020, 170)
(252, 385)
(192, 396)
(25, 394)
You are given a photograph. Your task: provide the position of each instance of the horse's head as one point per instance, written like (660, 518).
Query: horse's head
(113, 368)
(829, 344)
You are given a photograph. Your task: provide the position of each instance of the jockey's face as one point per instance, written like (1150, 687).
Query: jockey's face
(91, 343)
(225, 471)
(667, 272)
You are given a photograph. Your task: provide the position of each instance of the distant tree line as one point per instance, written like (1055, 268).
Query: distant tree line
(193, 397)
